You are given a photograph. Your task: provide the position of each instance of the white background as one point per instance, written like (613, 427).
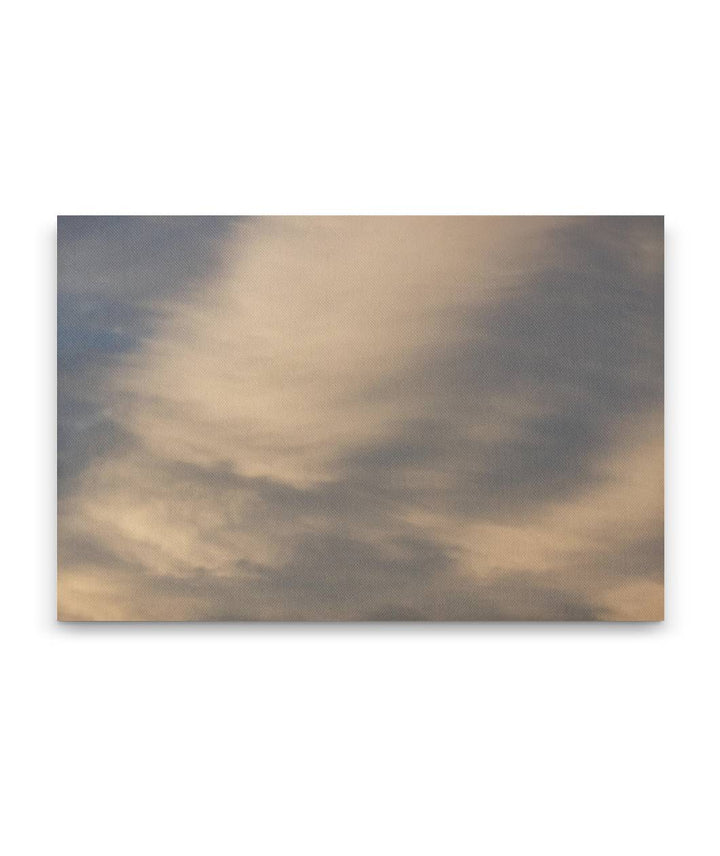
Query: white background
(501, 739)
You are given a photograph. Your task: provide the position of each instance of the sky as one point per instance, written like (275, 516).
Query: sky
(360, 418)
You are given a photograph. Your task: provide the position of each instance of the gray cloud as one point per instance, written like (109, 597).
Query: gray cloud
(111, 273)
(583, 340)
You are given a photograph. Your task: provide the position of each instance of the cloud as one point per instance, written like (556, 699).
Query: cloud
(112, 274)
(447, 418)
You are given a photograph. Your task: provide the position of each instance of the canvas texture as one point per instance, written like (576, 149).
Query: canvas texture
(360, 418)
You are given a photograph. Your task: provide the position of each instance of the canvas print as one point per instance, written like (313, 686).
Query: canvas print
(360, 418)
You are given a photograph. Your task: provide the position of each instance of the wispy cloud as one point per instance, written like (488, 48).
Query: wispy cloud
(366, 418)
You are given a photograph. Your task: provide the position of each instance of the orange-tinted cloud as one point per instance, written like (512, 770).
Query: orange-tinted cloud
(381, 417)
